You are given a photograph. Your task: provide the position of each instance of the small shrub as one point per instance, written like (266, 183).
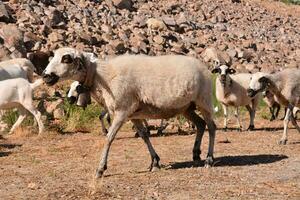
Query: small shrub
(77, 118)
(11, 116)
(296, 2)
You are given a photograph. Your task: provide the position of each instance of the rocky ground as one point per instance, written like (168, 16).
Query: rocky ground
(248, 35)
(249, 165)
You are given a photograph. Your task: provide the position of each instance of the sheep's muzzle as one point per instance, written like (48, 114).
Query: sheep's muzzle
(50, 79)
(251, 92)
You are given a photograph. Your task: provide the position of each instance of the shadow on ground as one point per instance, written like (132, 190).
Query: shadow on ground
(242, 160)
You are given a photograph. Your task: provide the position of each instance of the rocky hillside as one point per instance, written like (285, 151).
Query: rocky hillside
(244, 34)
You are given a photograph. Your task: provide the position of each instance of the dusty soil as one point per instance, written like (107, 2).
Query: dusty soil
(56, 166)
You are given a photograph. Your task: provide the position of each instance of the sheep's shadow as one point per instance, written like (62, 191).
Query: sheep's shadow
(240, 160)
(10, 146)
(4, 154)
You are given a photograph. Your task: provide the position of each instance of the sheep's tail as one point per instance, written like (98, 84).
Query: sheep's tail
(36, 83)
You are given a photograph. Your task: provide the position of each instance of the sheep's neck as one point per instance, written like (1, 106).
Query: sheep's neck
(275, 87)
(226, 88)
(101, 78)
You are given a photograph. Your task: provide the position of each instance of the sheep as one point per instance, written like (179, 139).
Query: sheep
(17, 68)
(132, 87)
(274, 106)
(285, 85)
(17, 93)
(231, 90)
(72, 95)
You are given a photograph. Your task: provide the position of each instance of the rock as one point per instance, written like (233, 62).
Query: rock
(124, 4)
(158, 39)
(55, 37)
(13, 40)
(4, 16)
(156, 24)
(106, 28)
(211, 55)
(57, 19)
(118, 46)
(169, 21)
(232, 53)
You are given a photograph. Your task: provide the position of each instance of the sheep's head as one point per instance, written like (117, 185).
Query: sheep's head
(258, 83)
(79, 94)
(67, 63)
(223, 72)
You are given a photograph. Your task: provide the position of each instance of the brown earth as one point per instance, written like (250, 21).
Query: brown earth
(55, 166)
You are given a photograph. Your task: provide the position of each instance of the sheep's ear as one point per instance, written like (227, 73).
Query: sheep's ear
(231, 71)
(79, 63)
(216, 70)
(264, 80)
(68, 59)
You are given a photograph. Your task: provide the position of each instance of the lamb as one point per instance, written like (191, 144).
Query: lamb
(231, 90)
(17, 68)
(274, 106)
(285, 85)
(17, 93)
(132, 87)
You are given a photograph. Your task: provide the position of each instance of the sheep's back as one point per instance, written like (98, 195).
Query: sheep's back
(163, 81)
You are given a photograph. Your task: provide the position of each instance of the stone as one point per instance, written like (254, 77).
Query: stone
(13, 39)
(124, 4)
(4, 16)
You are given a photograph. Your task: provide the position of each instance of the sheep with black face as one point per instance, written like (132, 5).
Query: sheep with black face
(231, 90)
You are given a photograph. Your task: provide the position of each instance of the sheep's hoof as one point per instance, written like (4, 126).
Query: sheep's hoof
(159, 132)
(155, 169)
(250, 128)
(209, 162)
(104, 131)
(196, 155)
(282, 142)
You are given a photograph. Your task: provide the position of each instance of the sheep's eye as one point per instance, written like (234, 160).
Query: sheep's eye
(67, 59)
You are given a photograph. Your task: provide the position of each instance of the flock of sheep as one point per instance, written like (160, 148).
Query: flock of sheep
(140, 87)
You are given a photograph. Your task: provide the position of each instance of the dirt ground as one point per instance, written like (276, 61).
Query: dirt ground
(251, 166)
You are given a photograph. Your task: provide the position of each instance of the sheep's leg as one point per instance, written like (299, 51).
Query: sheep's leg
(200, 124)
(252, 115)
(236, 114)
(285, 109)
(225, 116)
(22, 116)
(101, 118)
(162, 127)
(283, 139)
(117, 122)
(278, 109)
(142, 131)
(208, 118)
(293, 112)
(272, 111)
(37, 116)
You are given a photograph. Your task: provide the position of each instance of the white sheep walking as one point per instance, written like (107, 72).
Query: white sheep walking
(285, 85)
(17, 93)
(141, 87)
(231, 90)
